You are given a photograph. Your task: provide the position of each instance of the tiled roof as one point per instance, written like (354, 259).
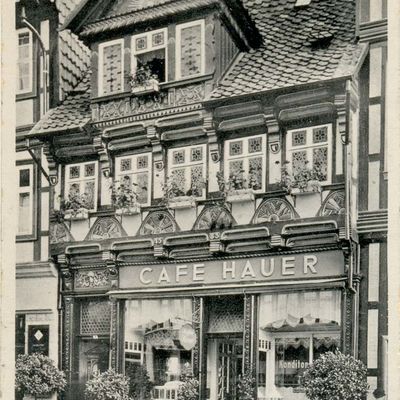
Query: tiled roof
(127, 6)
(73, 114)
(301, 45)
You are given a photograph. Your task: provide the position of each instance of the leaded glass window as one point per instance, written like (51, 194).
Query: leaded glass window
(111, 67)
(187, 170)
(245, 161)
(310, 148)
(81, 180)
(135, 170)
(190, 49)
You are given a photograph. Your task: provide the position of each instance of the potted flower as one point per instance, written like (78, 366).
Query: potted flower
(76, 207)
(246, 386)
(36, 375)
(108, 385)
(336, 376)
(124, 196)
(143, 81)
(175, 197)
(304, 181)
(237, 188)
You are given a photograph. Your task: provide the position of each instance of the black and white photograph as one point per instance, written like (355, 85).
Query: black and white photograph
(200, 200)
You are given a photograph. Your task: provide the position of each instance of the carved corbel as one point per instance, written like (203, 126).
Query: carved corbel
(66, 273)
(104, 156)
(340, 103)
(159, 250)
(216, 246)
(51, 162)
(213, 145)
(274, 139)
(158, 156)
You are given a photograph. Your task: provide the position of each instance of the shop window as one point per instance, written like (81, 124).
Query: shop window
(310, 148)
(190, 49)
(245, 162)
(81, 182)
(25, 200)
(159, 337)
(135, 172)
(25, 62)
(187, 170)
(294, 330)
(149, 52)
(111, 67)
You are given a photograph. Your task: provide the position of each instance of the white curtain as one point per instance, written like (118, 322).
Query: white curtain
(279, 309)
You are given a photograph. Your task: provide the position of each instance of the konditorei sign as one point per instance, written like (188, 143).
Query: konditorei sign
(243, 270)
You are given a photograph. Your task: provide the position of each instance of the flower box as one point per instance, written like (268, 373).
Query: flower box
(312, 187)
(151, 86)
(240, 195)
(131, 210)
(81, 214)
(182, 202)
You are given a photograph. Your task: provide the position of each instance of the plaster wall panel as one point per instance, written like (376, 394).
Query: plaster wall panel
(22, 155)
(131, 223)
(36, 293)
(24, 112)
(185, 218)
(79, 229)
(373, 272)
(243, 212)
(44, 220)
(373, 185)
(44, 248)
(158, 179)
(24, 252)
(339, 155)
(105, 190)
(375, 71)
(213, 168)
(374, 139)
(372, 338)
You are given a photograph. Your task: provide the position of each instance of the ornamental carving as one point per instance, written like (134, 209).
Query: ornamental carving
(91, 279)
(214, 218)
(114, 334)
(68, 331)
(59, 233)
(273, 210)
(158, 222)
(247, 332)
(105, 228)
(334, 204)
(142, 104)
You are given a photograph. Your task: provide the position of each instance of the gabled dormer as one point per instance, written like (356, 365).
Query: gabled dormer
(174, 42)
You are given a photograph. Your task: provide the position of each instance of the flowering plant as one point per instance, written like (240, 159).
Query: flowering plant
(142, 76)
(139, 382)
(37, 375)
(303, 178)
(124, 193)
(189, 389)
(246, 386)
(172, 189)
(237, 181)
(108, 385)
(336, 376)
(76, 202)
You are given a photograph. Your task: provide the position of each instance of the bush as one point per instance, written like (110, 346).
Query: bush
(36, 374)
(189, 389)
(335, 376)
(107, 386)
(246, 386)
(139, 382)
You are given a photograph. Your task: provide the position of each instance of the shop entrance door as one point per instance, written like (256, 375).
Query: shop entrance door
(224, 365)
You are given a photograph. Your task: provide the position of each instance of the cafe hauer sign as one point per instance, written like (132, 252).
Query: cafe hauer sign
(234, 271)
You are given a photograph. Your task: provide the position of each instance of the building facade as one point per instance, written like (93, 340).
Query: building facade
(205, 194)
(40, 85)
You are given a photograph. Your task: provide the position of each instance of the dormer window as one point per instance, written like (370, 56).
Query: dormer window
(190, 49)
(111, 67)
(149, 51)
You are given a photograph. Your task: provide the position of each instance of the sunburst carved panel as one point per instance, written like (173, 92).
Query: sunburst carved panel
(59, 233)
(273, 210)
(334, 204)
(214, 218)
(158, 222)
(105, 228)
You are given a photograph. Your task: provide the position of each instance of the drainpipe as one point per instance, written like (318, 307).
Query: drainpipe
(44, 56)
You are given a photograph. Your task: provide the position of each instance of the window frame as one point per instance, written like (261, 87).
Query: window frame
(148, 36)
(245, 156)
(188, 165)
(100, 82)
(30, 88)
(308, 148)
(32, 190)
(134, 171)
(68, 180)
(178, 35)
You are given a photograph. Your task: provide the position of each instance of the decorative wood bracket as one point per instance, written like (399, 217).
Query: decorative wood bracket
(104, 156)
(51, 163)
(340, 103)
(66, 273)
(159, 250)
(158, 156)
(213, 145)
(216, 246)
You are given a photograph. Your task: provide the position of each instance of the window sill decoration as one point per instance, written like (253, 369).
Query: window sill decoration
(182, 202)
(306, 180)
(129, 210)
(144, 82)
(175, 197)
(236, 189)
(76, 215)
(75, 208)
(124, 196)
(240, 195)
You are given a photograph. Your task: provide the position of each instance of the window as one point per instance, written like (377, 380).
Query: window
(190, 49)
(294, 329)
(159, 337)
(187, 169)
(25, 200)
(149, 51)
(135, 170)
(25, 62)
(245, 162)
(81, 180)
(111, 67)
(310, 148)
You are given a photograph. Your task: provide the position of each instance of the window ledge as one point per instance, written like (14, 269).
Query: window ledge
(186, 81)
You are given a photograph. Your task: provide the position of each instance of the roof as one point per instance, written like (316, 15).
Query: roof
(73, 114)
(301, 45)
